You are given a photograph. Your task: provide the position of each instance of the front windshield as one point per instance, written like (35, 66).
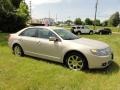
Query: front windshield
(65, 34)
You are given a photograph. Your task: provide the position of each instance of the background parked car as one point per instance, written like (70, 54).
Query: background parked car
(81, 30)
(104, 31)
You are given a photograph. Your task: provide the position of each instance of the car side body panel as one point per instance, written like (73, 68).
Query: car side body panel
(56, 50)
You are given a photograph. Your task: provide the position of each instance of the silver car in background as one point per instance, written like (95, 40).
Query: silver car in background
(62, 46)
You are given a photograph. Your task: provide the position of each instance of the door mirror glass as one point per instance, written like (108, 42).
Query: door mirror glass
(52, 39)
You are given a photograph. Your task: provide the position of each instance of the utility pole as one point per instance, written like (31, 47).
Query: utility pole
(49, 14)
(56, 18)
(119, 25)
(96, 6)
(30, 11)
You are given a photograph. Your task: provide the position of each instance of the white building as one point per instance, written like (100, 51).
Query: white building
(48, 21)
(43, 21)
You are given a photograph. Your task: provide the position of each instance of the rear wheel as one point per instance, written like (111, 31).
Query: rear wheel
(110, 33)
(76, 61)
(91, 32)
(17, 50)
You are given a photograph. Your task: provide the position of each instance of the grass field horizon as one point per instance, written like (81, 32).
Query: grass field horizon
(114, 29)
(27, 73)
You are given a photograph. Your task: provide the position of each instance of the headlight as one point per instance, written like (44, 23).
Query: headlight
(101, 52)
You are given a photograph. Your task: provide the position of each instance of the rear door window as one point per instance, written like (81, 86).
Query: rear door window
(31, 32)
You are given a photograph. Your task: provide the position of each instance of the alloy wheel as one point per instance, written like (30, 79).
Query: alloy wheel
(17, 51)
(75, 62)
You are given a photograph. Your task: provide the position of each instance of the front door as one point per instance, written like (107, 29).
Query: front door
(49, 49)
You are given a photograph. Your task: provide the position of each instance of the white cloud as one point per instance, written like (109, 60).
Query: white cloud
(37, 2)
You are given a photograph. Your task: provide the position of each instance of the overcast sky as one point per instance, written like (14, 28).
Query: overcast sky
(71, 9)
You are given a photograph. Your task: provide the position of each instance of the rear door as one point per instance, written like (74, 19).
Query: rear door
(83, 29)
(29, 41)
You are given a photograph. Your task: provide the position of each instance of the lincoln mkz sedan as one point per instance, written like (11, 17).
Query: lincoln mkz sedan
(59, 45)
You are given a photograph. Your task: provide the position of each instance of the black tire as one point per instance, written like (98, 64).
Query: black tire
(78, 33)
(100, 33)
(110, 33)
(91, 32)
(18, 51)
(80, 63)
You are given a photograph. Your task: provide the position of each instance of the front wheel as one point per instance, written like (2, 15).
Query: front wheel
(100, 33)
(78, 33)
(76, 61)
(17, 50)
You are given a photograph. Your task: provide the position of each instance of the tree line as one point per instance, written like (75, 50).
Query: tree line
(13, 15)
(114, 20)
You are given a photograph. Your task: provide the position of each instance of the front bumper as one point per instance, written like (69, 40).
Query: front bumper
(100, 61)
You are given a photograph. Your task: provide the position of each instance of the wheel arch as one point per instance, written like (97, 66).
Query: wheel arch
(74, 51)
(15, 45)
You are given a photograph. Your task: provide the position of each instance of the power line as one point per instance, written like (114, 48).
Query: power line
(96, 6)
(56, 18)
(30, 9)
(49, 14)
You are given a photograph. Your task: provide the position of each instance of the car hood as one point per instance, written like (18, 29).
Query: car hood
(91, 43)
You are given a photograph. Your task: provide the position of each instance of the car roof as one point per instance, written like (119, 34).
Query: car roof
(47, 27)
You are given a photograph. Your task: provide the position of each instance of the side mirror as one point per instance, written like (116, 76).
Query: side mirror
(52, 39)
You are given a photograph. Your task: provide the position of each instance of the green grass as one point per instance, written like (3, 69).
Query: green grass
(26, 73)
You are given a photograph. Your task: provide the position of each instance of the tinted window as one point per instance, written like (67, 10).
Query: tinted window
(78, 27)
(45, 33)
(73, 27)
(31, 32)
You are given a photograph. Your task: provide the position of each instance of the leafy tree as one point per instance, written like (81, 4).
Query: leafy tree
(97, 22)
(78, 21)
(88, 21)
(13, 16)
(6, 6)
(105, 23)
(23, 12)
(114, 19)
(16, 3)
(68, 22)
